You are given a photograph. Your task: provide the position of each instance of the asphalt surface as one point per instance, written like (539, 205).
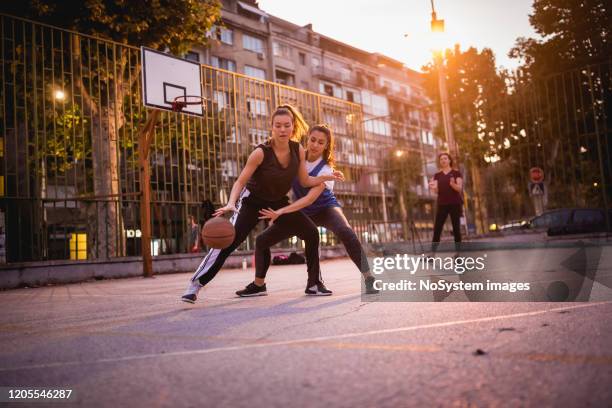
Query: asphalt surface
(131, 342)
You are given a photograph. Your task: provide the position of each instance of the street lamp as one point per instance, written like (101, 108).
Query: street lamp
(59, 95)
(437, 27)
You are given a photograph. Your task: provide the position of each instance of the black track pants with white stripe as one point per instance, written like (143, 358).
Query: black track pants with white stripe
(244, 221)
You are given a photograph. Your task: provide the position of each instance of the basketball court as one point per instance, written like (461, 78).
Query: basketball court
(132, 342)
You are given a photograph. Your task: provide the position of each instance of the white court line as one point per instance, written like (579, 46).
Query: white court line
(300, 341)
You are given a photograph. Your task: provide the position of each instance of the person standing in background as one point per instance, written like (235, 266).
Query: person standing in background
(448, 185)
(194, 235)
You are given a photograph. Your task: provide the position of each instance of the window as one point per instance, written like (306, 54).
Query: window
(302, 58)
(282, 50)
(588, 217)
(254, 72)
(225, 35)
(229, 168)
(316, 62)
(366, 99)
(258, 136)
(222, 100)
(379, 127)
(345, 74)
(350, 96)
(257, 106)
(285, 78)
(192, 56)
(328, 90)
(231, 137)
(223, 63)
(252, 43)
(553, 219)
(380, 105)
(542, 221)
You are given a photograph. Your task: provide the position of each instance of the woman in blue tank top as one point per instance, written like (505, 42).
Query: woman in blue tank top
(320, 203)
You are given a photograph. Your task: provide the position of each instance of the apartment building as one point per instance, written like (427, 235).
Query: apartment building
(396, 112)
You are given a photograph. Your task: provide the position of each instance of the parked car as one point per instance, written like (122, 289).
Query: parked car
(513, 225)
(570, 221)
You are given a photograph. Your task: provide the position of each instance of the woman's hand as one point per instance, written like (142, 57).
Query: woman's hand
(433, 184)
(270, 214)
(337, 175)
(227, 208)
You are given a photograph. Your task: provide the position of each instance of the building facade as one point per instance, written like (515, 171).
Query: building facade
(397, 120)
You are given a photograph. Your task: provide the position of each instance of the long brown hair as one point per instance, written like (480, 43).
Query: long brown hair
(328, 153)
(300, 127)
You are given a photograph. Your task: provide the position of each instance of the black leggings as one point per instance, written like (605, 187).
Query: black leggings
(441, 213)
(245, 220)
(285, 227)
(331, 218)
(334, 220)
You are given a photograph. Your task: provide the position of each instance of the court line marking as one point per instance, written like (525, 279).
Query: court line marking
(300, 341)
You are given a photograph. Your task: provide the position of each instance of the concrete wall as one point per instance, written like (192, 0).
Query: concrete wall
(61, 272)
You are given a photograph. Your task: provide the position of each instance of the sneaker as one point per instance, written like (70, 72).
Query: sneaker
(318, 290)
(191, 294)
(369, 286)
(253, 290)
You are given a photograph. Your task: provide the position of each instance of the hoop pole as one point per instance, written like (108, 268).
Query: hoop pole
(144, 143)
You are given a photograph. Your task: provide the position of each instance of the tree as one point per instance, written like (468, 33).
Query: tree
(104, 85)
(474, 87)
(475, 90)
(573, 33)
(572, 55)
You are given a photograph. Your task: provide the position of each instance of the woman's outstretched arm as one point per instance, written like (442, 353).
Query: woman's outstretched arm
(254, 160)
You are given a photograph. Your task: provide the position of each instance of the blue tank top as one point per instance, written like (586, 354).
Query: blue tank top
(325, 200)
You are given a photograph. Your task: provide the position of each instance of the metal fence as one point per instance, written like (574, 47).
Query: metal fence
(560, 124)
(70, 113)
(71, 110)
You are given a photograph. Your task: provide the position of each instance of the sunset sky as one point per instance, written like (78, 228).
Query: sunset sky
(381, 25)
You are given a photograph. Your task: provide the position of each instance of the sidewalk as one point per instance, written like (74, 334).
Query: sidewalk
(33, 274)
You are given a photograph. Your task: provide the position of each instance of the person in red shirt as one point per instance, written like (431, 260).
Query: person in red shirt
(448, 185)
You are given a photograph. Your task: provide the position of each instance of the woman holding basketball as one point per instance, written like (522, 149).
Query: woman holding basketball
(264, 183)
(321, 206)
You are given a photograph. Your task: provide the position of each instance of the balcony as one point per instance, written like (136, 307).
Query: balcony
(399, 94)
(333, 75)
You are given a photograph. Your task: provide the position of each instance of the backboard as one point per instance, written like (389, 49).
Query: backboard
(164, 77)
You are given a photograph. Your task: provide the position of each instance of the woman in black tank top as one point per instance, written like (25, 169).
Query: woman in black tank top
(264, 182)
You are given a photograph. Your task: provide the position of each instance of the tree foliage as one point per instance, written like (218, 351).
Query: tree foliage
(102, 80)
(573, 33)
(475, 88)
(173, 24)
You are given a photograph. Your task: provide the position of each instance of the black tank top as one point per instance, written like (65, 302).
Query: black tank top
(271, 181)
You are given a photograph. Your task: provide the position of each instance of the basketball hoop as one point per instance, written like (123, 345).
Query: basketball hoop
(181, 102)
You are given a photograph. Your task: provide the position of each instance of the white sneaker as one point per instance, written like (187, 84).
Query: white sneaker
(191, 294)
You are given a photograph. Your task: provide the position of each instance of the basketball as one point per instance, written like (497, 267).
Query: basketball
(218, 233)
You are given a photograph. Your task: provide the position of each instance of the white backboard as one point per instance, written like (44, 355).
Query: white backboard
(164, 77)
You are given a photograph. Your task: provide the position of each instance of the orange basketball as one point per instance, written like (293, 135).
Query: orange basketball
(218, 233)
